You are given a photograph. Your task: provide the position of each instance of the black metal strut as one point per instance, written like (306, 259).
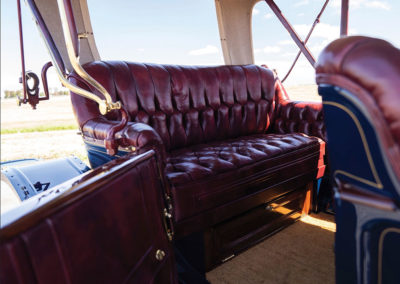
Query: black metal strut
(296, 38)
(30, 93)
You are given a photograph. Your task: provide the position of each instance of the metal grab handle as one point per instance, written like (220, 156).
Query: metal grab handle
(31, 93)
(110, 143)
(44, 81)
(105, 105)
(68, 23)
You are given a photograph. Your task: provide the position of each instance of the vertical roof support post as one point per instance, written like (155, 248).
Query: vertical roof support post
(21, 46)
(344, 20)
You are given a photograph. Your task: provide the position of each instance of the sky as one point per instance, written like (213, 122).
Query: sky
(186, 32)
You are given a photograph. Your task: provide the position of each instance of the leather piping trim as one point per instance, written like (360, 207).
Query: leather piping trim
(355, 194)
(381, 238)
(377, 183)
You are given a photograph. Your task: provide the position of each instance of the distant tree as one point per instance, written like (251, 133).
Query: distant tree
(58, 92)
(53, 92)
(7, 94)
(12, 94)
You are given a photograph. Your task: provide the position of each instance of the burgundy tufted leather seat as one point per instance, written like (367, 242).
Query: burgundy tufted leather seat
(224, 134)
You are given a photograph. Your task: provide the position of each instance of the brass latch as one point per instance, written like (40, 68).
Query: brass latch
(167, 218)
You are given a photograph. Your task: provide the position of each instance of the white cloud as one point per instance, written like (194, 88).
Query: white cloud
(257, 50)
(271, 49)
(302, 3)
(303, 73)
(300, 14)
(286, 42)
(140, 49)
(322, 30)
(356, 4)
(268, 16)
(378, 4)
(256, 11)
(289, 54)
(317, 48)
(209, 49)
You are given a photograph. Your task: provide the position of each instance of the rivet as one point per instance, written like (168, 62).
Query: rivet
(160, 254)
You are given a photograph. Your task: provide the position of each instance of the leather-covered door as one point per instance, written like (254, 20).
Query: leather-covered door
(107, 228)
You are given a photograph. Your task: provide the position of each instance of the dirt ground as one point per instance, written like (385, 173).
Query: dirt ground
(58, 112)
(39, 145)
(55, 112)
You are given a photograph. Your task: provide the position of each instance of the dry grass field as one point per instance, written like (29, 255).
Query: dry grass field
(33, 141)
(29, 142)
(55, 112)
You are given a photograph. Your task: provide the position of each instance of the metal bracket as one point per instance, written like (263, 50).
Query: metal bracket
(84, 35)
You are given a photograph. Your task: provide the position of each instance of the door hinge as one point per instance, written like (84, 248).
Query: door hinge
(167, 218)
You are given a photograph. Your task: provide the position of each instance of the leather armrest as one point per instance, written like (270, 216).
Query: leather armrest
(304, 117)
(139, 135)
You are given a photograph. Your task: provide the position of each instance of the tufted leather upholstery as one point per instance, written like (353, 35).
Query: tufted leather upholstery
(301, 117)
(292, 116)
(212, 126)
(206, 160)
(185, 105)
(206, 175)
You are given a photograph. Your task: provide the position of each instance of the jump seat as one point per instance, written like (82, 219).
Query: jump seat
(359, 81)
(226, 137)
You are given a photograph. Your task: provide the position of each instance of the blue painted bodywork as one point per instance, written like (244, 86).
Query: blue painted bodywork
(29, 177)
(98, 155)
(367, 245)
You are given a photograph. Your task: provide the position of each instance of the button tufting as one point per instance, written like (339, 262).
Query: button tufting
(200, 161)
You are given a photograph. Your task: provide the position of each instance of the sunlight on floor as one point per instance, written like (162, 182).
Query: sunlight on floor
(302, 253)
(324, 224)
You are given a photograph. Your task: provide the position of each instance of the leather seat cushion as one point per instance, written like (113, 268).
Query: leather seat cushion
(205, 176)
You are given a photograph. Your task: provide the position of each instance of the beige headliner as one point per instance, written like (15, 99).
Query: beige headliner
(234, 22)
(51, 16)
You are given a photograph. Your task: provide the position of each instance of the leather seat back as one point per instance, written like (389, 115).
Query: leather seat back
(186, 105)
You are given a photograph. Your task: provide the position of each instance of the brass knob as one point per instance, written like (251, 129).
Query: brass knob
(269, 208)
(160, 254)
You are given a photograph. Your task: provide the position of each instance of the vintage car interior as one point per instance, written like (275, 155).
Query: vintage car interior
(192, 165)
